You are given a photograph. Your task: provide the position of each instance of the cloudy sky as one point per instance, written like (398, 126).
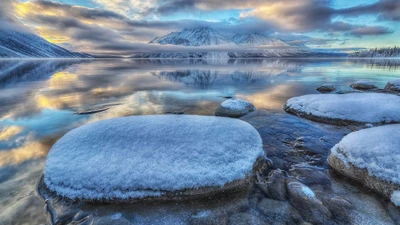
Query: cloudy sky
(121, 26)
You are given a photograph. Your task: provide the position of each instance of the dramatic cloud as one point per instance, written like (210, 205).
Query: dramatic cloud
(370, 31)
(385, 9)
(122, 26)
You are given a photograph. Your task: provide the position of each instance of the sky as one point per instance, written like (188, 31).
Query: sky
(123, 26)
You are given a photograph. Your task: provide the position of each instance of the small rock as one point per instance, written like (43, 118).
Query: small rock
(325, 88)
(275, 187)
(279, 211)
(305, 201)
(113, 219)
(208, 217)
(234, 108)
(394, 212)
(339, 207)
(393, 85)
(310, 175)
(363, 85)
(245, 218)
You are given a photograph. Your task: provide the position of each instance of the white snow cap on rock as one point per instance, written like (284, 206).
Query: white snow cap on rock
(357, 107)
(139, 156)
(235, 104)
(375, 149)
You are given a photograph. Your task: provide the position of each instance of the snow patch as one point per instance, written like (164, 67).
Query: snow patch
(139, 156)
(375, 149)
(357, 107)
(395, 198)
(235, 104)
(307, 191)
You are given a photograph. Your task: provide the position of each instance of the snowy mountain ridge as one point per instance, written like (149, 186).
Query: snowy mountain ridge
(16, 41)
(206, 36)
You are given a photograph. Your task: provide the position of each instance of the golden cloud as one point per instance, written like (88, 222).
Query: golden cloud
(8, 132)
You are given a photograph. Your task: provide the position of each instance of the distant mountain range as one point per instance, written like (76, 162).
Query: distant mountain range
(16, 41)
(206, 37)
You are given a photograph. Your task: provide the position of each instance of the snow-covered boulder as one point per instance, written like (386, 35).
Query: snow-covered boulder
(393, 85)
(148, 157)
(326, 88)
(342, 109)
(234, 108)
(371, 156)
(363, 85)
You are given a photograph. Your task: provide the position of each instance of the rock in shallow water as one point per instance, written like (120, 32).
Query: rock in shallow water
(343, 109)
(393, 85)
(234, 108)
(163, 157)
(371, 157)
(363, 85)
(325, 88)
(307, 203)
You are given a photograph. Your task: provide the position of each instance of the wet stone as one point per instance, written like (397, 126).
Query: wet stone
(246, 218)
(305, 201)
(279, 211)
(208, 217)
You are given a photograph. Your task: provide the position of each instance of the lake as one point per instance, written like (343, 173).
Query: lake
(40, 100)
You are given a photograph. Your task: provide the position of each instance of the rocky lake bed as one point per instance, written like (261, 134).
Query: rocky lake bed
(296, 184)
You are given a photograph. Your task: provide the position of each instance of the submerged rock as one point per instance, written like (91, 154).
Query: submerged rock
(371, 157)
(153, 157)
(363, 85)
(325, 88)
(279, 211)
(344, 109)
(393, 85)
(234, 108)
(275, 186)
(245, 218)
(307, 203)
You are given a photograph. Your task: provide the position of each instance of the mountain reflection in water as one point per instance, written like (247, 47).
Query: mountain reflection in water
(42, 99)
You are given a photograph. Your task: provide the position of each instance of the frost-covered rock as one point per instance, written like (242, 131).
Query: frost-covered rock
(164, 156)
(234, 108)
(363, 85)
(358, 108)
(393, 85)
(326, 88)
(371, 156)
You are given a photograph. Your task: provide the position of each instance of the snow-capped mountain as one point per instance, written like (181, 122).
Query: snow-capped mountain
(203, 36)
(256, 39)
(16, 41)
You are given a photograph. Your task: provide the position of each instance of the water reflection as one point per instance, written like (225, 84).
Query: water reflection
(42, 100)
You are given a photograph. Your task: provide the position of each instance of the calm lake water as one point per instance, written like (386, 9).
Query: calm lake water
(40, 100)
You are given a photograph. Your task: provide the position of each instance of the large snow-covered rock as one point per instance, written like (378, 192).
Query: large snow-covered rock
(372, 157)
(341, 109)
(164, 156)
(393, 85)
(234, 108)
